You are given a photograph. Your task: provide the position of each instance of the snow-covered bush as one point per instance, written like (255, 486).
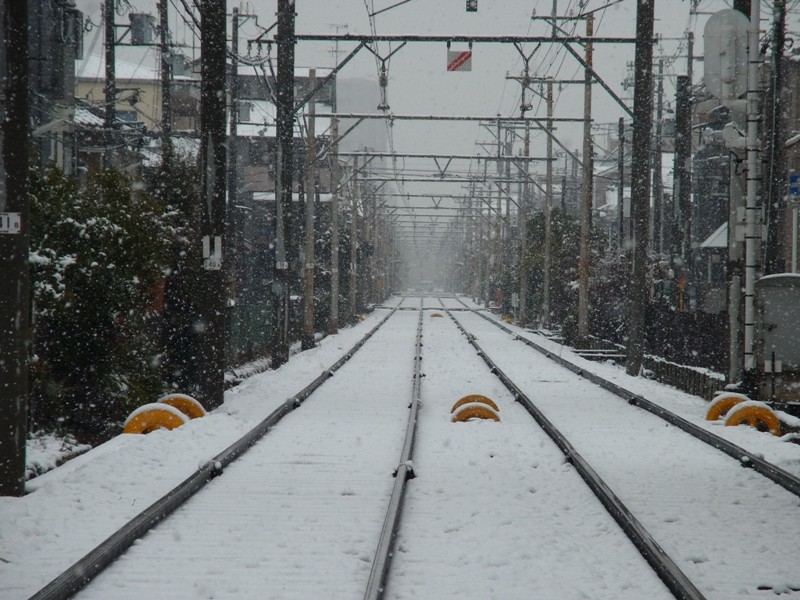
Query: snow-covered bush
(98, 258)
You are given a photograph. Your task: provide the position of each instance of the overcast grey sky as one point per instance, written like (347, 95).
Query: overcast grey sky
(418, 81)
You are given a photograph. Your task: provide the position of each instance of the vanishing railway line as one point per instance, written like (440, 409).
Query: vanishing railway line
(481, 503)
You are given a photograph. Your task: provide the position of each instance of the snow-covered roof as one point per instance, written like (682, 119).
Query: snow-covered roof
(86, 118)
(92, 66)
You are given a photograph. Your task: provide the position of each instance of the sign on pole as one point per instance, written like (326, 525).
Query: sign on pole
(459, 60)
(794, 185)
(10, 222)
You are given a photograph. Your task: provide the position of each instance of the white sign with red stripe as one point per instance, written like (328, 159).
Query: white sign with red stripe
(459, 60)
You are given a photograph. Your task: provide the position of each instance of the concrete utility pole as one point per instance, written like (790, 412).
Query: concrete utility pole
(233, 237)
(776, 138)
(166, 97)
(622, 208)
(284, 165)
(498, 222)
(354, 244)
(14, 244)
(522, 313)
(587, 191)
(333, 322)
(640, 184)
(311, 193)
(682, 188)
(548, 211)
(658, 185)
(110, 90)
(752, 209)
(212, 224)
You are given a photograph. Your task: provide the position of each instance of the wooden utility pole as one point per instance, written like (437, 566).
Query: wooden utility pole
(587, 190)
(640, 184)
(14, 244)
(284, 172)
(311, 193)
(212, 224)
(333, 322)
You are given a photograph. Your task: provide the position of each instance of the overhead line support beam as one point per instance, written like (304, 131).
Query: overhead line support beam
(443, 39)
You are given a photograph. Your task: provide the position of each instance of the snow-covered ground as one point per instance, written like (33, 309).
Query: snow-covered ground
(728, 528)
(493, 513)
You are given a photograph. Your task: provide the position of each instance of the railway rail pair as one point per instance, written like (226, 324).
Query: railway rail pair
(681, 586)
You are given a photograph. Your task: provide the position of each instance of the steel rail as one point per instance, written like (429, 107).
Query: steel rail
(383, 555)
(667, 570)
(68, 583)
(773, 472)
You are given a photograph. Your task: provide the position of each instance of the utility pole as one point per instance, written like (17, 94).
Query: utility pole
(307, 341)
(657, 238)
(233, 114)
(587, 189)
(333, 323)
(522, 314)
(284, 165)
(622, 209)
(110, 90)
(498, 242)
(14, 244)
(166, 100)
(233, 237)
(354, 244)
(776, 137)
(752, 209)
(640, 184)
(682, 220)
(548, 211)
(508, 149)
(212, 224)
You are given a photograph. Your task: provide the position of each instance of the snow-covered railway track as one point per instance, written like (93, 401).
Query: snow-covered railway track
(495, 511)
(263, 514)
(772, 471)
(729, 530)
